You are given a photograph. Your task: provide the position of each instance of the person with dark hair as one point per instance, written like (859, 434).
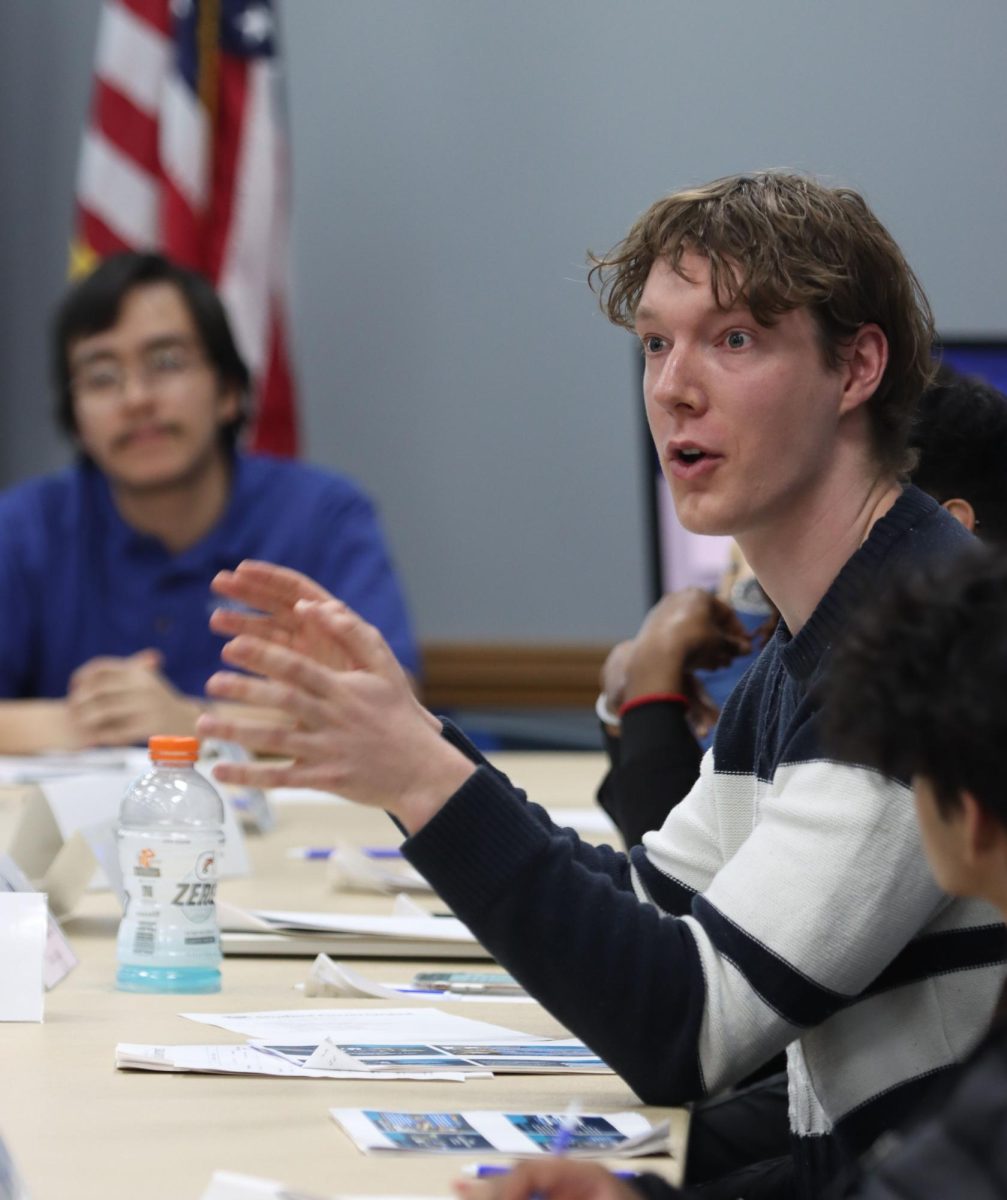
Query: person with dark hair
(914, 692)
(960, 437)
(785, 903)
(105, 567)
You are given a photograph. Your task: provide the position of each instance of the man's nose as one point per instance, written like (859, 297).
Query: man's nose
(678, 379)
(138, 387)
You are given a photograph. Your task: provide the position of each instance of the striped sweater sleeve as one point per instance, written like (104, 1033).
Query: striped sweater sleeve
(823, 893)
(565, 919)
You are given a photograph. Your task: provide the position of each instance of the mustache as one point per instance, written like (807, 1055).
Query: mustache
(128, 435)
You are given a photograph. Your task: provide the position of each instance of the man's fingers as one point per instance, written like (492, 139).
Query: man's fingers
(266, 586)
(149, 659)
(102, 709)
(277, 662)
(265, 693)
(279, 741)
(230, 622)
(272, 774)
(361, 642)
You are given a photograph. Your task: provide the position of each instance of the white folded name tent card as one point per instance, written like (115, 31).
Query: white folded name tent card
(23, 917)
(59, 957)
(68, 816)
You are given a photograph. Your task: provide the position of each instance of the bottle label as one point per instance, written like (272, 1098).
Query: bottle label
(170, 917)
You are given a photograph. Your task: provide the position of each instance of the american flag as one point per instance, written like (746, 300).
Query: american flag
(185, 153)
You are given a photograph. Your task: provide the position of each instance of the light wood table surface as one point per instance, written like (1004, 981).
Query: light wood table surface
(80, 1130)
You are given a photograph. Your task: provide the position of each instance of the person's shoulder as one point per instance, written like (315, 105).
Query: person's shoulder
(303, 481)
(931, 522)
(43, 497)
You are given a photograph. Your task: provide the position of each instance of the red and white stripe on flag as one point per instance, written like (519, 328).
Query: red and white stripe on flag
(185, 153)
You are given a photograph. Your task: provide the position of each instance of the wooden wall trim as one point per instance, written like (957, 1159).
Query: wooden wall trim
(509, 675)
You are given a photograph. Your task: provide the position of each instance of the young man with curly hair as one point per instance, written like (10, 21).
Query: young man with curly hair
(786, 902)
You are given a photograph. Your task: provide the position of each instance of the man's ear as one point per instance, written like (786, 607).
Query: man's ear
(962, 511)
(865, 357)
(983, 833)
(228, 404)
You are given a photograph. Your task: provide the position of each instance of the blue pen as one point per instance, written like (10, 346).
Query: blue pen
(310, 852)
(565, 1130)
(324, 852)
(491, 1170)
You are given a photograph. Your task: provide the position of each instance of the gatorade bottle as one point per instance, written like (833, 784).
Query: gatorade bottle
(170, 838)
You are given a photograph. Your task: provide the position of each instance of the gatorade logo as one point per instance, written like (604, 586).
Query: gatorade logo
(145, 863)
(206, 865)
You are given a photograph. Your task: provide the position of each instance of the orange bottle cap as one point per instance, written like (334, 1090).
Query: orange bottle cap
(174, 749)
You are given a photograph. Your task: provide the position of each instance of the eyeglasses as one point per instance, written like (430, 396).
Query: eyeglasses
(160, 369)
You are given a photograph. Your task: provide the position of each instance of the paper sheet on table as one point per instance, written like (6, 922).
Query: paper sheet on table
(252, 1060)
(31, 768)
(522, 1134)
(360, 1025)
(330, 978)
(23, 917)
(536, 1056)
(226, 1185)
(391, 926)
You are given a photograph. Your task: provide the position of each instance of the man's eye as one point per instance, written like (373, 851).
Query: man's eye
(652, 344)
(167, 362)
(737, 339)
(99, 379)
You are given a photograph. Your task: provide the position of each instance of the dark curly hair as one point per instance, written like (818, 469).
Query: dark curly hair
(93, 305)
(781, 241)
(960, 436)
(917, 685)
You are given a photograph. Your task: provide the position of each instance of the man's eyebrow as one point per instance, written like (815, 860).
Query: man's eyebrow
(161, 342)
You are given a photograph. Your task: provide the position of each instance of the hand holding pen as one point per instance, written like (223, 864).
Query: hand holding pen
(555, 1177)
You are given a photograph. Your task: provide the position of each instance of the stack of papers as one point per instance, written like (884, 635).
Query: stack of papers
(258, 1059)
(391, 1043)
(522, 1134)
(262, 931)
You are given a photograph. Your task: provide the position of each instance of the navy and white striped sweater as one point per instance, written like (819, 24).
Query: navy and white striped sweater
(786, 902)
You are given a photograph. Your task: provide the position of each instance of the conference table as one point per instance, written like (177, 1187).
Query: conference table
(78, 1129)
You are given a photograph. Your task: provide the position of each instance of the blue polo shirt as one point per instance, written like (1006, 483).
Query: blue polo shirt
(76, 581)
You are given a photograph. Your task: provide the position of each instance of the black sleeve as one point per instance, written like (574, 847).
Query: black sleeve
(563, 917)
(655, 1187)
(653, 766)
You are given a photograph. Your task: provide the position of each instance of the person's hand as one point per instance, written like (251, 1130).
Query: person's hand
(684, 632)
(358, 729)
(613, 674)
(272, 592)
(120, 701)
(267, 595)
(555, 1178)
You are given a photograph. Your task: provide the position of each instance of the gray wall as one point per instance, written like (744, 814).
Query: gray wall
(453, 159)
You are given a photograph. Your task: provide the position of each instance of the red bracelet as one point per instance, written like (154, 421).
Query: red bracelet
(653, 698)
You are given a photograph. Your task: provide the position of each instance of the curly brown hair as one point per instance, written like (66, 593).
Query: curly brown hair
(779, 241)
